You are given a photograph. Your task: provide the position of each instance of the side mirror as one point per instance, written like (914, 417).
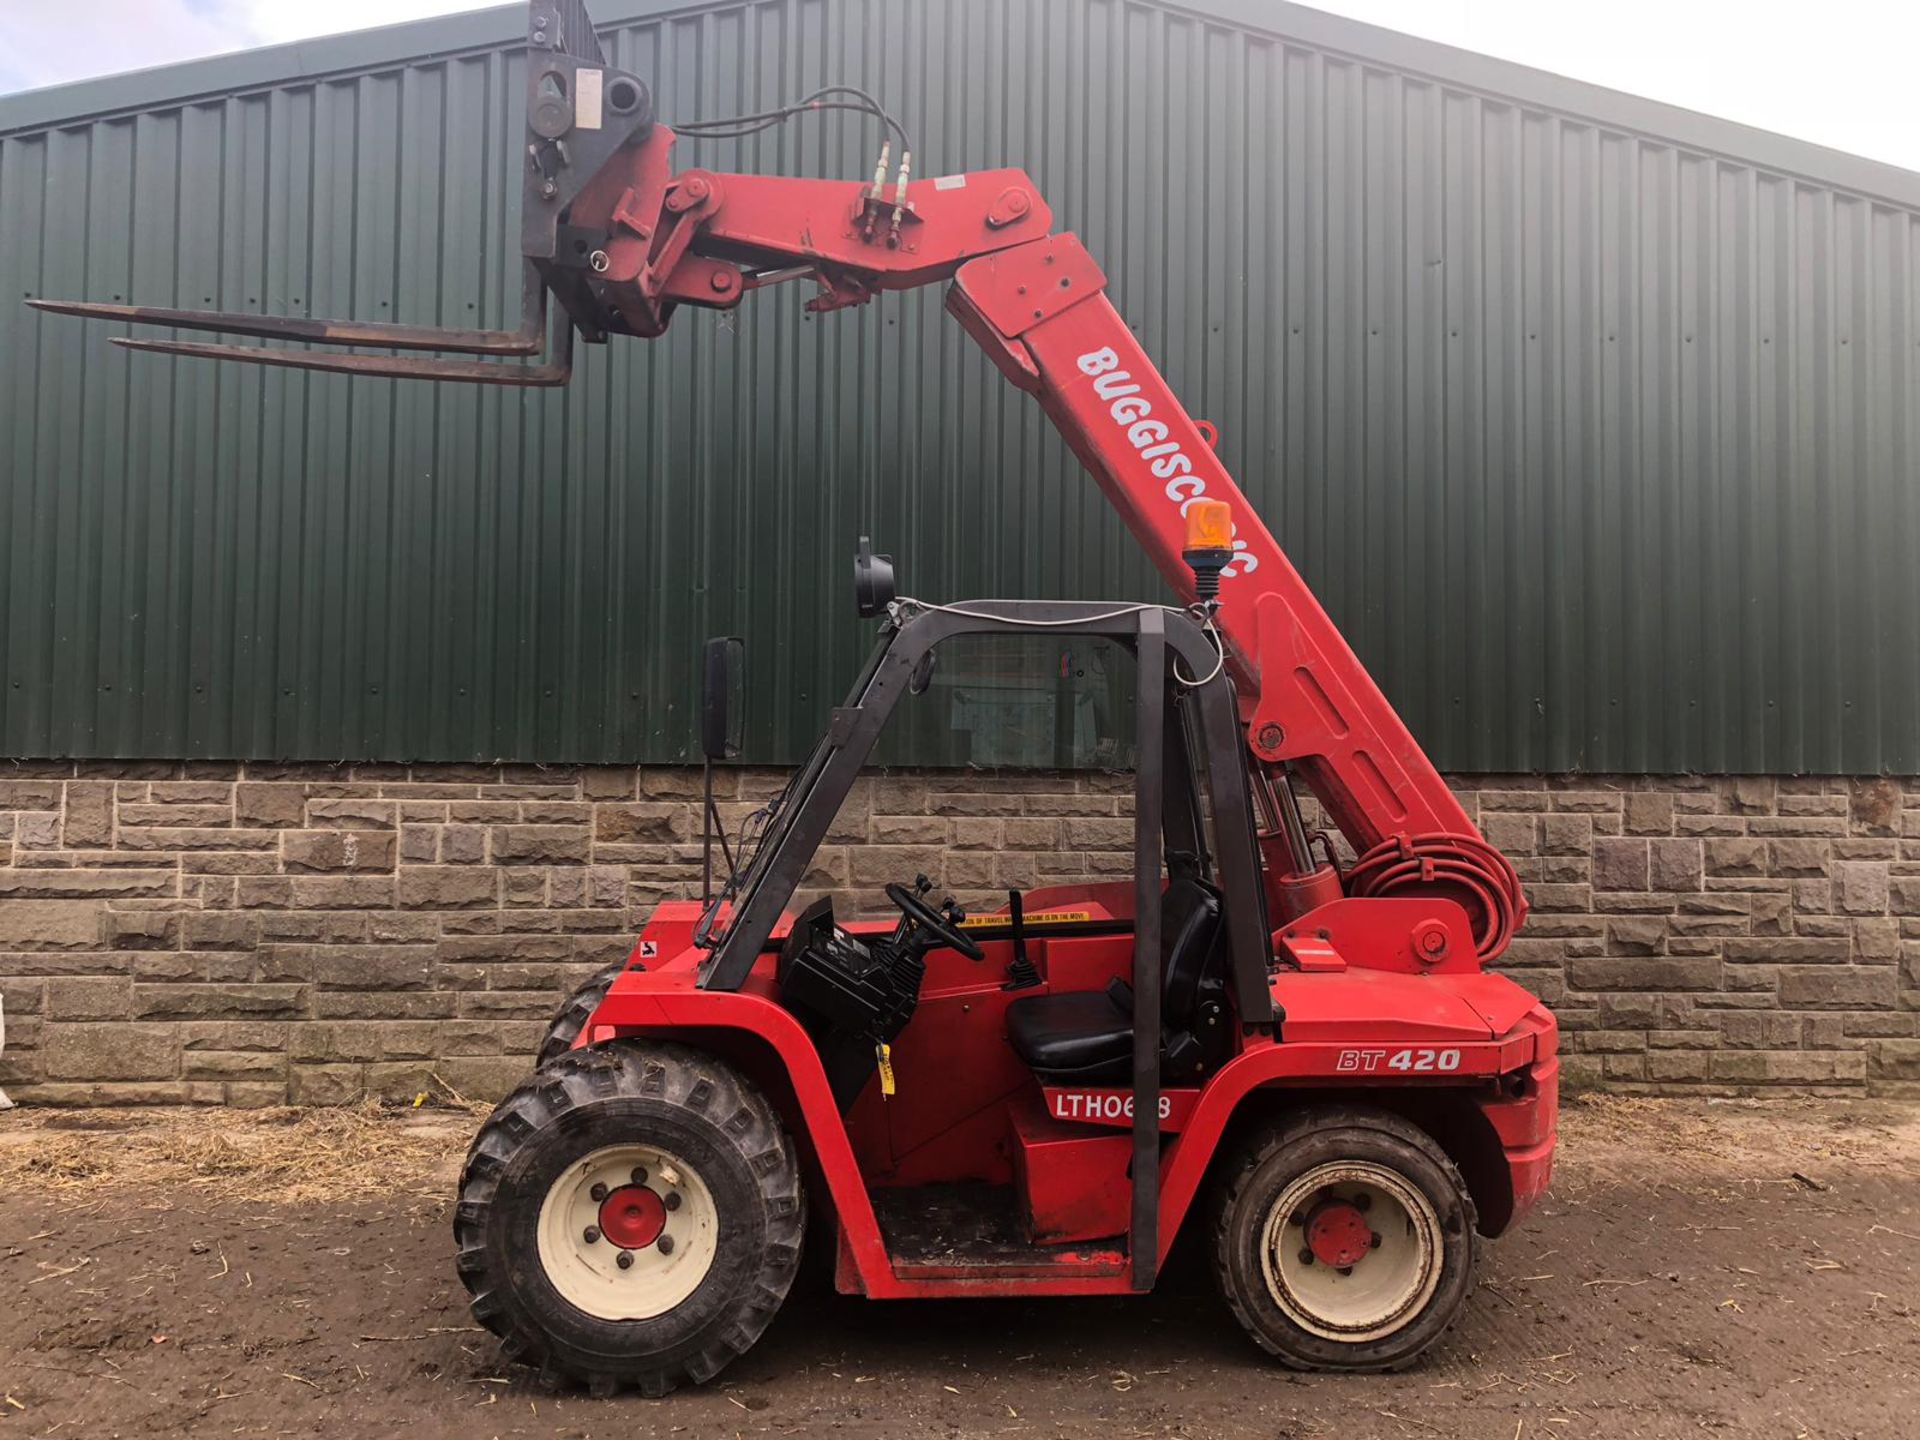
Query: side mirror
(723, 699)
(872, 581)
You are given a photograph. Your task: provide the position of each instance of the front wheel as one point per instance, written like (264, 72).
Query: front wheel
(1344, 1240)
(631, 1215)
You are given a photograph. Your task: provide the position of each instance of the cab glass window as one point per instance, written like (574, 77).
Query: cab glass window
(1031, 701)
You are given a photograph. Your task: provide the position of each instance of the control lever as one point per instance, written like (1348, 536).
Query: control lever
(1021, 974)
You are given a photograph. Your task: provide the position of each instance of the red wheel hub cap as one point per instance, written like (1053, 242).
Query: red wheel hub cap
(632, 1217)
(1338, 1234)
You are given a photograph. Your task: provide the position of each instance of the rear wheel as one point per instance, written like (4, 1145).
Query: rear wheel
(571, 1018)
(1344, 1240)
(631, 1215)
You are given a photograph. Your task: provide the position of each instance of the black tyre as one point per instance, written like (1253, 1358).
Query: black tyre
(631, 1215)
(571, 1018)
(1344, 1240)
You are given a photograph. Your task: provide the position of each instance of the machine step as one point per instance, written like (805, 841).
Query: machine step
(973, 1231)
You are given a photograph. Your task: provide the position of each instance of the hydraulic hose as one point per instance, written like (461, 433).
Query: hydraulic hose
(1464, 866)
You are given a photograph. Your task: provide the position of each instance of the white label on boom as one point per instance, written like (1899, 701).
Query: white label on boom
(586, 99)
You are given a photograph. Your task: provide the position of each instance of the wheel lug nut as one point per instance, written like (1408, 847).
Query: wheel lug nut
(666, 1244)
(672, 1202)
(591, 1235)
(1346, 1269)
(1373, 1240)
(639, 1175)
(598, 1192)
(624, 1259)
(1306, 1257)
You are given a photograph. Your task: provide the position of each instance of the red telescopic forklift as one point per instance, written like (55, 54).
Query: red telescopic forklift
(1309, 1059)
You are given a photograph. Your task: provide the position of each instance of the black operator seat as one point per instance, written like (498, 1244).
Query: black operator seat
(1085, 1037)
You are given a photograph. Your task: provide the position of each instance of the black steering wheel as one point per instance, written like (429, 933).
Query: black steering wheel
(936, 924)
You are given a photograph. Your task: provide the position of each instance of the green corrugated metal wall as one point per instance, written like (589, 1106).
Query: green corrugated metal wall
(1592, 421)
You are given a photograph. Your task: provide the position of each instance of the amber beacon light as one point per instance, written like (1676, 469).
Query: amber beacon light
(1209, 546)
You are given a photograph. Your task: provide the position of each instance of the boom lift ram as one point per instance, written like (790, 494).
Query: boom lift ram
(1028, 1102)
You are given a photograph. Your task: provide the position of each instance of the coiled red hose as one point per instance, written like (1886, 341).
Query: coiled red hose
(1463, 867)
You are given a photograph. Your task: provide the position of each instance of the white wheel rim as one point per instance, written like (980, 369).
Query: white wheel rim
(597, 1204)
(1391, 1278)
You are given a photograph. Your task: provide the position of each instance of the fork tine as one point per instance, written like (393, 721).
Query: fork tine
(374, 333)
(525, 341)
(399, 367)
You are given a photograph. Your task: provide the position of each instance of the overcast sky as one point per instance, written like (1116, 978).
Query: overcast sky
(1839, 73)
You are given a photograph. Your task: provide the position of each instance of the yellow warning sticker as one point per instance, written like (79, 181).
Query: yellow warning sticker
(883, 1055)
(1048, 917)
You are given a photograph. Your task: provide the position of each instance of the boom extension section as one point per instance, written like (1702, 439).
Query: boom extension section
(620, 240)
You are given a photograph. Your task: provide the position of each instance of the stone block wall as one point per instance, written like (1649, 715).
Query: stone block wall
(1723, 933)
(252, 934)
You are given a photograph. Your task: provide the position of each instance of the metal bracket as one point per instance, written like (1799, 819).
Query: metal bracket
(1017, 289)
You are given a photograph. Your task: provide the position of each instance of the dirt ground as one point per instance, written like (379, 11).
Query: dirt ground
(1741, 1268)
